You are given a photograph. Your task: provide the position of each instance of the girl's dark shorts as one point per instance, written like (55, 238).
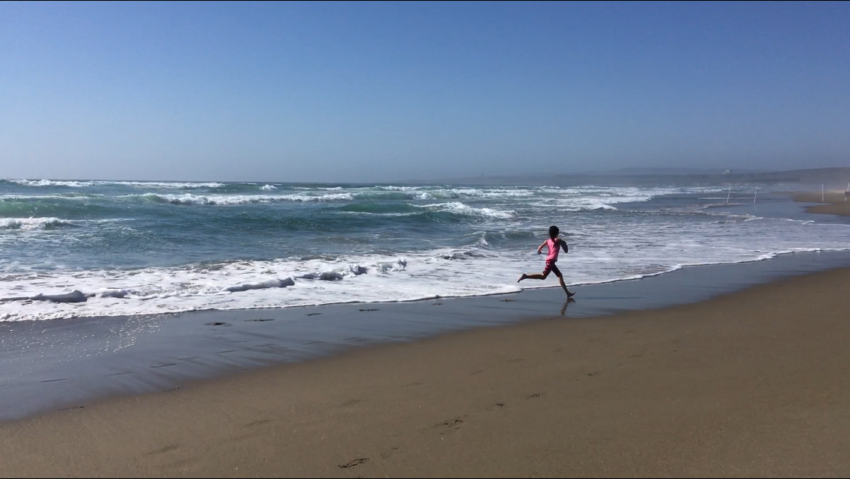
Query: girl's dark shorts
(550, 266)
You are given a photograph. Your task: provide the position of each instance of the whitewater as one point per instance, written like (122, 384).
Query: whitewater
(135, 247)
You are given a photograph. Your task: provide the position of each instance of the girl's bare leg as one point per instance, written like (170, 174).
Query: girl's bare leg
(564, 285)
(532, 276)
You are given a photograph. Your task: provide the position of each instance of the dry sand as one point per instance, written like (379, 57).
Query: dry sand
(833, 202)
(755, 383)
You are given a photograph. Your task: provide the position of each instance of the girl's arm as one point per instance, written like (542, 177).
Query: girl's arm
(540, 248)
(564, 245)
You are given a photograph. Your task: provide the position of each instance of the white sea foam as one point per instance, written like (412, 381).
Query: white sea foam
(398, 188)
(268, 187)
(589, 198)
(114, 293)
(463, 209)
(368, 278)
(272, 283)
(221, 200)
(148, 184)
(490, 193)
(36, 224)
(81, 197)
(71, 184)
(141, 184)
(28, 224)
(445, 193)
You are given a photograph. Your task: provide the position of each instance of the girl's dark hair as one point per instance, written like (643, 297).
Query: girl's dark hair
(554, 231)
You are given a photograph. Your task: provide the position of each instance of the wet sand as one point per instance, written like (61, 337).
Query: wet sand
(753, 383)
(834, 202)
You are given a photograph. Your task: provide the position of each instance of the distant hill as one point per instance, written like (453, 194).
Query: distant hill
(833, 178)
(669, 171)
(830, 177)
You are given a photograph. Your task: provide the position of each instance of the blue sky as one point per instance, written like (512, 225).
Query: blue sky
(391, 91)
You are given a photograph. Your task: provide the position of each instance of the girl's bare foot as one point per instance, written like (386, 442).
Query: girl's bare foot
(524, 276)
(570, 295)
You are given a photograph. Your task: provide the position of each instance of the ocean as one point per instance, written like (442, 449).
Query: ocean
(139, 248)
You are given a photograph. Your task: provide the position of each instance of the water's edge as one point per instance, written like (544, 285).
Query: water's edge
(59, 364)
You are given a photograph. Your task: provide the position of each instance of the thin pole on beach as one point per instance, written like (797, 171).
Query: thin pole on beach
(730, 193)
(822, 194)
(756, 195)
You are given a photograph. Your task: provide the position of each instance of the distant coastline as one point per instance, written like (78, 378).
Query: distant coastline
(831, 203)
(833, 178)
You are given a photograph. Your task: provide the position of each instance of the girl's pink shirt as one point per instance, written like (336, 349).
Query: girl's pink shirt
(554, 249)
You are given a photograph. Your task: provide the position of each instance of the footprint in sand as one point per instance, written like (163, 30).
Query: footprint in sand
(163, 450)
(354, 463)
(258, 423)
(389, 454)
(72, 408)
(450, 424)
(164, 366)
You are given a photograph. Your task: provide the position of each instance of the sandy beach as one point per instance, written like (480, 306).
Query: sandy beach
(748, 384)
(834, 202)
(303, 239)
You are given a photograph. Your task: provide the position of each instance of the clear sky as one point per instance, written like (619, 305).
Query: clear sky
(391, 91)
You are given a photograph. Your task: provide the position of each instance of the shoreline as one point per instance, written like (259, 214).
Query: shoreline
(835, 203)
(748, 383)
(75, 362)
